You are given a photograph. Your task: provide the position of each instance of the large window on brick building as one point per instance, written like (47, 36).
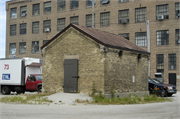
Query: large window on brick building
(172, 61)
(60, 24)
(125, 35)
(177, 11)
(22, 47)
(160, 63)
(61, 5)
(47, 7)
(12, 30)
(141, 39)
(89, 3)
(47, 25)
(177, 36)
(74, 20)
(123, 16)
(45, 41)
(104, 2)
(89, 20)
(74, 4)
(13, 13)
(162, 37)
(35, 27)
(141, 14)
(36, 9)
(23, 11)
(35, 46)
(162, 10)
(12, 48)
(123, 1)
(105, 19)
(23, 28)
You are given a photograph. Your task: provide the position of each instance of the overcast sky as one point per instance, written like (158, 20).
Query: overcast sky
(2, 28)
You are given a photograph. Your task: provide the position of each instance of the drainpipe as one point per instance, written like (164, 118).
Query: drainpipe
(92, 13)
(148, 38)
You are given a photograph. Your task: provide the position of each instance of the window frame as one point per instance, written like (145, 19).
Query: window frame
(159, 38)
(11, 34)
(89, 21)
(45, 41)
(11, 49)
(123, 18)
(59, 24)
(36, 45)
(165, 13)
(104, 21)
(172, 61)
(124, 35)
(21, 47)
(74, 17)
(59, 5)
(37, 10)
(160, 62)
(23, 13)
(74, 6)
(177, 36)
(23, 29)
(177, 10)
(46, 25)
(108, 2)
(11, 14)
(35, 28)
(142, 39)
(122, 1)
(89, 3)
(46, 11)
(138, 16)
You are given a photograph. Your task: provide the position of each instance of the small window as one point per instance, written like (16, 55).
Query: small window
(31, 78)
(47, 7)
(74, 20)
(89, 3)
(36, 10)
(45, 41)
(172, 61)
(141, 39)
(61, 5)
(162, 37)
(23, 28)
(162, 11)
(123, 16)
(160, 63)
(12, 30)
(12, 48)
(123, 1)
(104, 2)
(177, 36)
(177, 10)
(74, 4)
(22, 48)
(47, 25)
(89, 20)
(23, 11)
(35, 27)
(140, 14)
(35, 46)
(105, 19)
(125, 35)
(60, 24)
(13, 13)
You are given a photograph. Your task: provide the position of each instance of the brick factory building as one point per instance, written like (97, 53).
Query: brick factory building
(31, 23)
(78, 56)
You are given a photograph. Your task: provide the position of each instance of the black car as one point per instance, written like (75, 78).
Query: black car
(155, 88)
(169, 88)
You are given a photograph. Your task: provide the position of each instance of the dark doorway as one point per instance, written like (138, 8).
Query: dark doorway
(71, 75)
(172, 78)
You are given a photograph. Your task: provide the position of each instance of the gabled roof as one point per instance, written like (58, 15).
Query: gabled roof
(104, 38)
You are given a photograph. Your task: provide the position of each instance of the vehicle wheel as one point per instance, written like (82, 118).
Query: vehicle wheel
(169, 94)
(5, 90)
(39, 89)
(166, 94)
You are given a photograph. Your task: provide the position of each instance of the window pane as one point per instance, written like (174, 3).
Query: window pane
(35, 46)
(123, 16)
(60, 24)
(140, 14)
(105, 2)
(36, 9)
(163, 37)
(172, 61)
(160, 62)
(61, 5)
(13, 13)
(89, 20)
(22, 48)
(141, 39)
(45, 41)
(162, 10)
(177, 36)
(35, 27)
(13, 30)
(47, 25)
(12, 48)
(23, 28)
(74, 4)
(89, 3)
(47, 7)
(125, 35)
(23, 11)
(74, 20)
(105, 19)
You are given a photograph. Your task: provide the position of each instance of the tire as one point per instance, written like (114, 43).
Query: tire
(39, 89)
(169, 94)
(5, 90)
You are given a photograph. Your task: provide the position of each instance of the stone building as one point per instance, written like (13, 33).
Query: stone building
(31, 23)
(78, 56)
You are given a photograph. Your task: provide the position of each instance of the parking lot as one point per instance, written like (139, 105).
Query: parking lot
(166, 110)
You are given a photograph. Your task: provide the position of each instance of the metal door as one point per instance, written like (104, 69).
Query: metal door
(172, 78)
(71, 75)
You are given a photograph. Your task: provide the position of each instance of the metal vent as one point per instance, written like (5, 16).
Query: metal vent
(161, 17)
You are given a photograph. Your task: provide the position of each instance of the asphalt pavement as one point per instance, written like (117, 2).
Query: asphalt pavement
(166, 110)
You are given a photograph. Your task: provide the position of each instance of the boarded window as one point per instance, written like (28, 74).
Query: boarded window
(13, 13)
(60, 24)
(23, 28)
(47, 7)
(105, 19)
(162, 10)
(23, 11)
(74, 20)
(123, 16)
(35, 27)
(141, 39)
(47, 25)
(35, 46)
(140, 14)
(36, 9)
(172, 61)
(74, 4)
(13, 30)
(162, 37)
(61, 5)
(22, 47)
(12, 48)
(125, 35)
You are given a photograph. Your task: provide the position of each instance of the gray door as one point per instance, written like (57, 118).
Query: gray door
(172, 78)
(71, 75)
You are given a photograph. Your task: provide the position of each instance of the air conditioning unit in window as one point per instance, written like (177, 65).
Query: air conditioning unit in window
(105, 2)
(23, 14)
(160, 17)
(12, 56)
(124, 21)
(178, 41)
(47, 30)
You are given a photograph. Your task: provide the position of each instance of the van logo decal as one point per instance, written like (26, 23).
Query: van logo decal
(6, 76)
(6, 66)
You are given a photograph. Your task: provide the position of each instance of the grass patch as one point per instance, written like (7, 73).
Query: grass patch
(27, 99)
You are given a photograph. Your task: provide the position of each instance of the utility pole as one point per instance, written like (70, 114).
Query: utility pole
(148, 38)
(92, 13)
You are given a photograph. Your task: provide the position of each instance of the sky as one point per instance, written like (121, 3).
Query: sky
(2, 28)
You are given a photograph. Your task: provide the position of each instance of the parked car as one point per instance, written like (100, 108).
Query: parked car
(169, 88)
(156, 88)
